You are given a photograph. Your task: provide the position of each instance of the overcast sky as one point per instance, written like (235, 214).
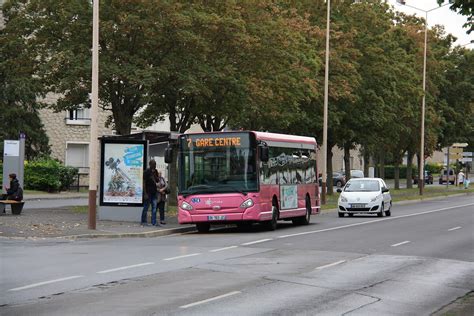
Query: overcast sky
(452, 21)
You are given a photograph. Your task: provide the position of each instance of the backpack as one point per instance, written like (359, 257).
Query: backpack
(19, 194)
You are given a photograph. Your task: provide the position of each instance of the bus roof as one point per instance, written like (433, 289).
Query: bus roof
(285, 138)
(275, 137)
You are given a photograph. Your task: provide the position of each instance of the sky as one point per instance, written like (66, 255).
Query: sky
(451, 20)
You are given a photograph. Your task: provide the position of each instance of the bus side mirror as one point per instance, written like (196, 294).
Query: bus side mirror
(264, 153)
(169, 155)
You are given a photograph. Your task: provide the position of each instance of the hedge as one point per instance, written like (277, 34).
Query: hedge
(49, 175)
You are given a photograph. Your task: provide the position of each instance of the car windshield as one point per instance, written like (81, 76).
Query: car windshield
(362, 186)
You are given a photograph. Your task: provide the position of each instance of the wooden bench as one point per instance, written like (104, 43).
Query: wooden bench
(16, 206)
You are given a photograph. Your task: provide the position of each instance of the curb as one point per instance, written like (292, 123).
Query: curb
(150, 234)
(38, 198)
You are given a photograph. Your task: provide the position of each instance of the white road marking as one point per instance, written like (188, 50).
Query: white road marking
(454, 228)
(221, 249)
(256, 242)
(330, 265)
(179, 257)
(210, 299)
(45, 282)
(126, 267)
(375, 221)
(401, 243)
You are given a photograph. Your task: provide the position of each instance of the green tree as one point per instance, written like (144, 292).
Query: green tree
(19, 92)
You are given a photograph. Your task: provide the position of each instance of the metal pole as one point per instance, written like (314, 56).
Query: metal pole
(421, 183)
(93, 147)
(325, 124)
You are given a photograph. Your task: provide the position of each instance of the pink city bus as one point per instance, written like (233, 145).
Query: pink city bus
(246, 177)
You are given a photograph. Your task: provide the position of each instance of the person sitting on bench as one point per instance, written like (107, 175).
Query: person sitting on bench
(14, 192)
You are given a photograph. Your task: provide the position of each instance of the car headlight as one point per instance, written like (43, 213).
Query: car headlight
(186, 206)
(343, 199)
(375, 198)
(247, 203)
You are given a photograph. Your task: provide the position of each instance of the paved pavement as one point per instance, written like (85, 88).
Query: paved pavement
(63, 215)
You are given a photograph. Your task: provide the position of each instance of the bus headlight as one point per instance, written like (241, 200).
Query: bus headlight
(247, 203)
(186, 206)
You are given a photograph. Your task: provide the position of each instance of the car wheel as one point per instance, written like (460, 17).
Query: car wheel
(389, 211)
(440, 181)
(340, 214)
(380, 213)
(203, 227)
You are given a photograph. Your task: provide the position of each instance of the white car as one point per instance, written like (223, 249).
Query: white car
(364, 196)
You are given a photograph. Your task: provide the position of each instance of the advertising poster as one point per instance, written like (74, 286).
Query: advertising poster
(289, 196)
(122, 168)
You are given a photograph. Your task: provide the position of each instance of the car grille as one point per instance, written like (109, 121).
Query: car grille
(359, 209)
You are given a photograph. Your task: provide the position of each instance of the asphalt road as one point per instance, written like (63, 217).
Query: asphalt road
(412, 263)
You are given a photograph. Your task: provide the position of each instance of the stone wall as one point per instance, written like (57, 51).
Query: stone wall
(60, 133)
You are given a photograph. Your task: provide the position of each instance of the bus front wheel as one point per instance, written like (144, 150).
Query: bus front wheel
(272, 224)
(203, 227)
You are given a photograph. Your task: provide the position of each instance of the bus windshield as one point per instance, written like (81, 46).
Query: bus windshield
(217, 164)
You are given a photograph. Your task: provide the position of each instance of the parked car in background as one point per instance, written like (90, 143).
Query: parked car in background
(443, 178)
(338, 179)
(428, 178)
(357, 173)
(364, 196)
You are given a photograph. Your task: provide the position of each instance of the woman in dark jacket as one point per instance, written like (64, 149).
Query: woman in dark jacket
(14, 192)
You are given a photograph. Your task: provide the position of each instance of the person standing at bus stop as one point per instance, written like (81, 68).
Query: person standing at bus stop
(162, 191)
(150, 193)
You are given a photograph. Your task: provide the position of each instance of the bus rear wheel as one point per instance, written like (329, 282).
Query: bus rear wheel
(203, 227)
(304, 220)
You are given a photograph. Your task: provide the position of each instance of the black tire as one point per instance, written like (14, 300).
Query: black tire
(273, 223)
(389, 211)
(304, 220)
(340, 214)
(203, 227)
(339, 184)
(380, 213)
(440, 181)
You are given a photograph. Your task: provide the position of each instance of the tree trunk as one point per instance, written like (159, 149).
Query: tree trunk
(397, 175)
(330, 182)
(123, 116)
(173, 179)
(382, 164)
(366, 163)
(347, 160)
(409, 169)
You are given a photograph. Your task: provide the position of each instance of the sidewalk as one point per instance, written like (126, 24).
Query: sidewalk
(72, 223)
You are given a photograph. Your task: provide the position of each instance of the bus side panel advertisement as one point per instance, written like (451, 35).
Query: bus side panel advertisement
(122, 167)
(288, 196)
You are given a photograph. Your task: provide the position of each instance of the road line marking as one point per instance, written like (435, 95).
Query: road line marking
(401, 243)
(45, 282)
(179, 257)
(256, 242)
(221, 249)
(210, 299)
(127, 267)
(330, 265)
(454, 228)
(374, 221)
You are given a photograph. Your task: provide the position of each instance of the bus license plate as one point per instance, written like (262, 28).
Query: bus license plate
(216, 217)
(357, 205)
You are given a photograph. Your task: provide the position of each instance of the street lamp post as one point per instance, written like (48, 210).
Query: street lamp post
(94, 146)
(421, 176)
(325, 115)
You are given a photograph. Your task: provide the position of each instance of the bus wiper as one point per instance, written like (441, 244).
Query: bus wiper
(237, 189)
(197, 189)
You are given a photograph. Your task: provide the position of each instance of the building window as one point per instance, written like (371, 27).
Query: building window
(77, 155)
(80, 116)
